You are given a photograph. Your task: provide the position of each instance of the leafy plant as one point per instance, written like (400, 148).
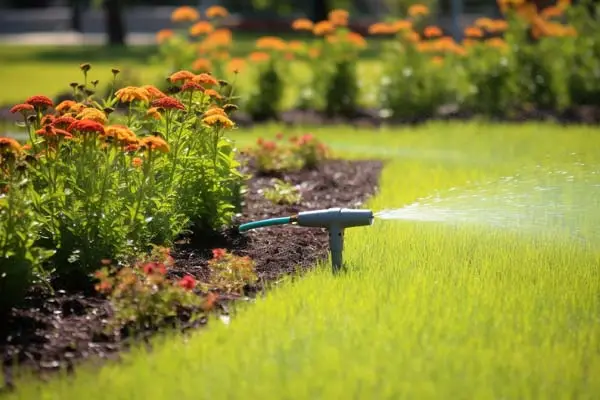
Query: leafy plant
(275, 156)
(283, 193)
(143, 297)
(231, 273)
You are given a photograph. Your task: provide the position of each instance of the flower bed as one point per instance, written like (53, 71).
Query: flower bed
(534, 63)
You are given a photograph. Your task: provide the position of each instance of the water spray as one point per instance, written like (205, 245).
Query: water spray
(335, 220)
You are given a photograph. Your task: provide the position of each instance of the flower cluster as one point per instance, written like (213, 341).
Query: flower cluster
(102, 181)
(231, 273)
(295, 153)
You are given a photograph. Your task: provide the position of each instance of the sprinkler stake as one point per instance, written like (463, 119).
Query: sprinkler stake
(335, 220)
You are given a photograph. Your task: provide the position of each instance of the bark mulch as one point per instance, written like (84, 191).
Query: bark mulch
(55, 333)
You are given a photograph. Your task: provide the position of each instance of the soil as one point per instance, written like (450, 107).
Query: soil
(53, 333)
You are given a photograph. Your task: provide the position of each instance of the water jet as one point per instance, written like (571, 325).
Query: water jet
(335, 220)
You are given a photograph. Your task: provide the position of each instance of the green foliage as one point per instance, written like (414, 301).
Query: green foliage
(231, 273)
(264, 100)
(283, 193)
(108, 185)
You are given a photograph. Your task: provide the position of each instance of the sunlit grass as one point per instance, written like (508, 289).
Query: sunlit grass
(425, 310)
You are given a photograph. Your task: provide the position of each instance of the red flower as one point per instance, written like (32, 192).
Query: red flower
(187, 282)
(22, 108)
(269, 145)
(191, 86)
(168, 103)
(63, 122)
(47, 119)
(86, 125)
(49, 131)
(219, 253)
(154, 268)
(40, 101)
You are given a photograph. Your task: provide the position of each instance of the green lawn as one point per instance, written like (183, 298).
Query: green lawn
(427, 309)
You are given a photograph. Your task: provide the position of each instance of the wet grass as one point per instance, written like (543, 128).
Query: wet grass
(424, 311)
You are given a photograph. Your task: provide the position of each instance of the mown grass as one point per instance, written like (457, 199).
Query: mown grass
(425, 310)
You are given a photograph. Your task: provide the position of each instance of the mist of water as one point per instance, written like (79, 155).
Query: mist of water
(548, 200)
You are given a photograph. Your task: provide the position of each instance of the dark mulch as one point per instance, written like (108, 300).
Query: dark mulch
(53, 333)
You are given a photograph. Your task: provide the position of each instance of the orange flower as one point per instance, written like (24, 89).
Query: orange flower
(469, 43)
(213, 93)
(497, 43)
(121, 134)
(484, 23)
(216, 11)
(295, 45)
(184, 14)
(356, 39)
(218, 120)
(401, 25)
(412, 36)
(323, 28)
(236, 65)
(201, 28)
(218, 38)
(259, 56)
(40, 101)
(129, 94)
(498, 25)
(381, 28)
(338, 17)
(187, 282)
(552, 12)
(152, 143)
(314, 52)
(302, 24)
(206, 79)
(86, 126)
(164, 35)
(168, 103)
(153, 92)
(473, 32)
(270, 43)
(418, 9)
(9, 145)
(21, 108)
(202, 65)
(181, 76)
(136, 162)
(93, 114)
(65, 106)
(432, 31)
(154, 113)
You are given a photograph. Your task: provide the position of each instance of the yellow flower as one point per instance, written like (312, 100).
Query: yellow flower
(218, 120)
(201, 28)
(131, 93)
(302, 24)
(401, 25)
(418, 9)
(121, 134)
(473, 32)
(93, 114)
(215, 111)
(184, 14)
(152, 143)
(216, 11)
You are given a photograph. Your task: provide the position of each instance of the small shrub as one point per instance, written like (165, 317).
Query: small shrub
(231, 273)
(271, 60)
(276, 156)
(143, 297)
(282, 193)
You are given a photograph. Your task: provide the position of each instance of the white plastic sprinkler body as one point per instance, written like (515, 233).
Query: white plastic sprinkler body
(335, 220)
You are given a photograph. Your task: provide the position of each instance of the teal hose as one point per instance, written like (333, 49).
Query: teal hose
(264, 223)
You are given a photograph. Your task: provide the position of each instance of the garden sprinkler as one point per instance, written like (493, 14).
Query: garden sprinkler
(335, 220)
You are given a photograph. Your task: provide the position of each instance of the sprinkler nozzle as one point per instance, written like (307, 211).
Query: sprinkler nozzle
(335, 220)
